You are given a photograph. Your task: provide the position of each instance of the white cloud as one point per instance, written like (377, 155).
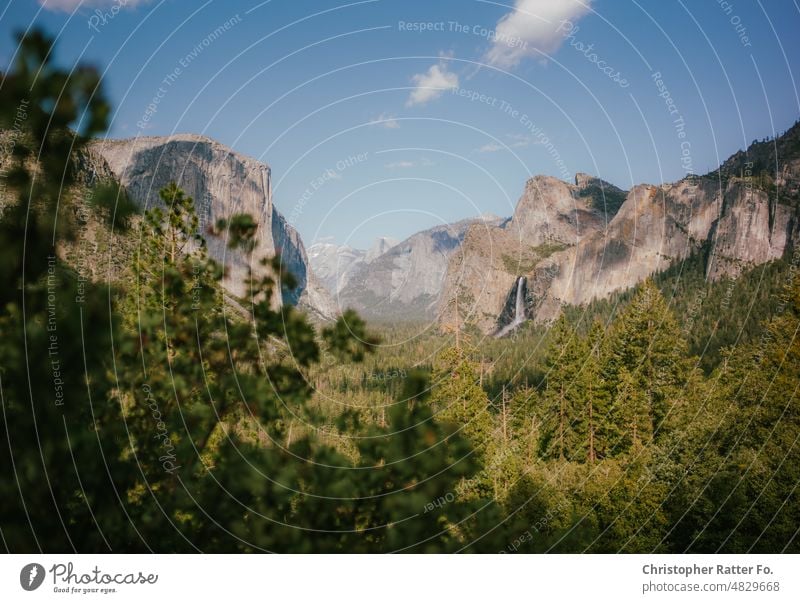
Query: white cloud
(491, 147)
(406, 164)
(432, 84)
(402, 165)
(70, 5)
(387, 121)
(517, 141)
(533, 26)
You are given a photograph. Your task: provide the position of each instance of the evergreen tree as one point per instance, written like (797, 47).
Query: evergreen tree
(630, 423)
(596, 393)
(747, 498)
(648, 356)
(564, 400)
(457, 398)
(145, 444)
(412, 497)
(56, 490)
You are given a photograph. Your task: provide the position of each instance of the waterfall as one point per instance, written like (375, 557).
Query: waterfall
(519, 309)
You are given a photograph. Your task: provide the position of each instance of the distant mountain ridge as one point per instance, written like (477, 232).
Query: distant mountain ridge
(570, 242)
(399, 281)
(335, 264)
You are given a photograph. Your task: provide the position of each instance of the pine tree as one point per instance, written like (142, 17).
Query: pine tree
(58, 479)
(748, 494)
(597, 396)
(135, 445)
(630, 424)
(564, 400)
(457, 397)
(647, 344)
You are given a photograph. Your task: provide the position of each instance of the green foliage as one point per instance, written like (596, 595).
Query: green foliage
(159, 415)
(648, 360)
(711, 315)
(562, 414)
(458, 398)
(348, 337)
(111, 202)
(604, 199)
(527, 260)
(59, 478)
(241, 231)
(178, 435)
(748, 499)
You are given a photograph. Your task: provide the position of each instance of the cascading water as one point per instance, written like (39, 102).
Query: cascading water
(519, 309)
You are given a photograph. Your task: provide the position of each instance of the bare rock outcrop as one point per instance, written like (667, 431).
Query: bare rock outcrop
(335, 264)
(222, 183)
(574, 245)
(405, 281)
(751, 230)
(551, 217)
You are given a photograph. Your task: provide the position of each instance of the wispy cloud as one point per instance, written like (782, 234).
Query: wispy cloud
(432, 84)
(400, 165)
(491, 147)
(406, 164)
(533, 27)
(519, 141)
(70, 5)
(516, 141)
(386, 120)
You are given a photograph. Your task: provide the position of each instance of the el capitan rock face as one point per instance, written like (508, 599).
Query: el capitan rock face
(222, 183)
(571, 252)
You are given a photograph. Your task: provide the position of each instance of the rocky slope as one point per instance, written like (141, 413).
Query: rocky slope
(379, 247)
(743, 215)
(551, 216)
(222, 183)
(95, 251)
(405, 281)
(335, 264)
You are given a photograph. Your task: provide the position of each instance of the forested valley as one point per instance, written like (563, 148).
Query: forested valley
(664, 419)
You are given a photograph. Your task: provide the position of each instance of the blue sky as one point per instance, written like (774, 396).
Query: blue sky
(384, 117)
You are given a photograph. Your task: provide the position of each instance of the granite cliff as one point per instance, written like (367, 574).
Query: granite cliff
(222, 183)
(335, 264)
(551, 217)
(566, 243)
(573, 243)
(403, 281)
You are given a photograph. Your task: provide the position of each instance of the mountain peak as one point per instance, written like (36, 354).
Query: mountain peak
(199, 143)
(379, 247)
